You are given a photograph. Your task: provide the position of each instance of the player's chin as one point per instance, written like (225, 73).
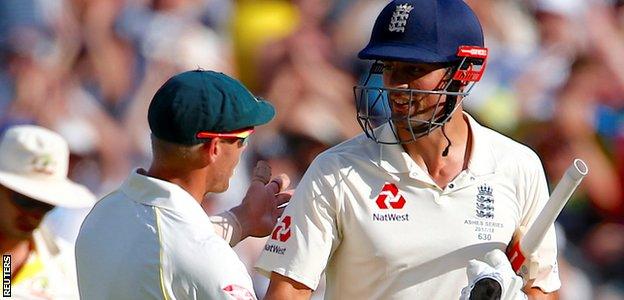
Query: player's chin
(224, 187)
(218, 187)
(411, 125)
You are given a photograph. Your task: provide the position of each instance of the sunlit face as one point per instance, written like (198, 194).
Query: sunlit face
(416, 106)
(20, 215)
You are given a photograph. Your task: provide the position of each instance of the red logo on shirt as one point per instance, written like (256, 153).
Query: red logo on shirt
(238, 292)
(282, 231)
(390, 197)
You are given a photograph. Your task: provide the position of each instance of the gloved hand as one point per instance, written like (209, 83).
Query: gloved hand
(492, 278)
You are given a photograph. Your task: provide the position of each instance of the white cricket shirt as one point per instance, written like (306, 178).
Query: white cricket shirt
(380, 228)
(150, 239)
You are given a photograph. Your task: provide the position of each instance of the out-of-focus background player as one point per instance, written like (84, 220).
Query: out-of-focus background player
(33, 180)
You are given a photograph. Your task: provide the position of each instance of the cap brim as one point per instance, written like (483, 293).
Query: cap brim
(394, 52)
(264, 113)
(57, 192)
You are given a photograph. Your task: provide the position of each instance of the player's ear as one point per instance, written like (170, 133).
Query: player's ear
(211, 150)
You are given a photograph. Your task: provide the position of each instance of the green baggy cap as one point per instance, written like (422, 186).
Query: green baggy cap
(200, 100)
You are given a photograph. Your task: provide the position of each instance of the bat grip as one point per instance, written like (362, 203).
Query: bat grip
(516, 258)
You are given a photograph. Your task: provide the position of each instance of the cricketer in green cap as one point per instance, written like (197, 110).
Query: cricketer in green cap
(199, 121)
(201, 101)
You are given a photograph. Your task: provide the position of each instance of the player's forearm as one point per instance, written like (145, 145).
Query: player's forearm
(538, 294)
(284, 288)
(287, 294)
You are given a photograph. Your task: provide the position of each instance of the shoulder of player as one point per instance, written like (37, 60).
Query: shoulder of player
(331, 162)
(103, 207)
(356, 146)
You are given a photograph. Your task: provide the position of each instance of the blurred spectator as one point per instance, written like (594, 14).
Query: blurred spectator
(254, 24)
(170, 39)
(561, 39)
(301, 76)
(494, 101)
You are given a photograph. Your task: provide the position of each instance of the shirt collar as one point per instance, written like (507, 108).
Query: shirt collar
(482, 158)
(393, 159)
(162, 194)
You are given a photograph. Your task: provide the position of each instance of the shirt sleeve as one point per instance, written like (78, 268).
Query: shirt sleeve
(306, 235)
(535, 194)
(227, 227)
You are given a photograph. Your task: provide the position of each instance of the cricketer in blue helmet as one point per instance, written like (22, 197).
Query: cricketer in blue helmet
(399, 211)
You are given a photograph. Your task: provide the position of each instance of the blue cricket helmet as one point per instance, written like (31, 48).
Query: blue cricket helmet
(423, 31)
(443, 32)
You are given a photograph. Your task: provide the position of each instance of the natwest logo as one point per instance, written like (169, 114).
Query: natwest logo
(282, 231)
(390, 197)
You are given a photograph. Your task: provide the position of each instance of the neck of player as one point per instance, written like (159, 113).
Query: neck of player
(427, 151)
(192, 181)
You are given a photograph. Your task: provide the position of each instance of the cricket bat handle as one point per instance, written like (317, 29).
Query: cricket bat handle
(529, 242)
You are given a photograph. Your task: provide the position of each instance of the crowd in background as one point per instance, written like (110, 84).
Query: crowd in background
(87, 69)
